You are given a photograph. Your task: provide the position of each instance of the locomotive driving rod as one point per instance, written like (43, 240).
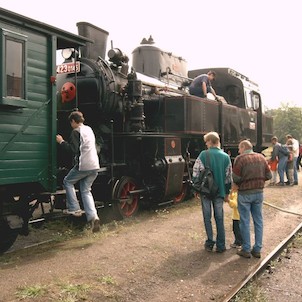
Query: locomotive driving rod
(147, 189)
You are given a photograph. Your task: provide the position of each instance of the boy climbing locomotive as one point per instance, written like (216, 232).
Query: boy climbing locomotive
(85, 169)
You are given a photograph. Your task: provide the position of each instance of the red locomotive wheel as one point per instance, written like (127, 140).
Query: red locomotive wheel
(182, 195)
(127, 204)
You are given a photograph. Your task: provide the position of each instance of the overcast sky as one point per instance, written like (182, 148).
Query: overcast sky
(260, 39)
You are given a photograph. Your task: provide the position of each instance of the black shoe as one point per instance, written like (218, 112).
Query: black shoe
(208, 248)
(95, 225)
(295, 183)
(256, 254)
(244, 254)
(220, 250)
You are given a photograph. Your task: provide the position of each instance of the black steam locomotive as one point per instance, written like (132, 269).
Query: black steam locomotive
(148, 128)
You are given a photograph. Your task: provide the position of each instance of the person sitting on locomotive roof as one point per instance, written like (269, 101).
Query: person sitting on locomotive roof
(201, 85)
(85, 169)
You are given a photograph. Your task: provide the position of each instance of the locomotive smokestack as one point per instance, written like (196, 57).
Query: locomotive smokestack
(98, 35)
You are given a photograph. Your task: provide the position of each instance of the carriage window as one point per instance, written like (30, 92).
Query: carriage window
(14, 59)
(13, 78)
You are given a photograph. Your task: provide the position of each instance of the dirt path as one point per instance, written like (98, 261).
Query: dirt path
(158, 257)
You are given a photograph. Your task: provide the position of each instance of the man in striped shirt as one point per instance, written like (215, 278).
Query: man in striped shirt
(250, 171)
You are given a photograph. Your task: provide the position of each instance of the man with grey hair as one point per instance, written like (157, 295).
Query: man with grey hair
(221, 166)
(250, 171)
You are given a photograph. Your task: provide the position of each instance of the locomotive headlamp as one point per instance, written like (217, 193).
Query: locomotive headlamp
(67, 53)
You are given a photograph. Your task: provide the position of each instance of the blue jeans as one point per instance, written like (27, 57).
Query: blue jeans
(251, 204)
(206, 205)
(86, 179)
(282, 168)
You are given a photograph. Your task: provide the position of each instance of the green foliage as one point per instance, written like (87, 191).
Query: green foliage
(287, 120)
(33, 291)
(107, 280)
(251, 292)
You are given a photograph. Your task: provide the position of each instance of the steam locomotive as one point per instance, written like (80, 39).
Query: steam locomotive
(149, 129)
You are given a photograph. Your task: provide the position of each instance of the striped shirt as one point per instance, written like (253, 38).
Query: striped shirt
(250, 171)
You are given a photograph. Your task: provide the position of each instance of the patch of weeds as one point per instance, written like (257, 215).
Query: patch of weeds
(298, 240)
(73, 292)
(6, 260)
(33, 291)
(251, 292)
(107, 280)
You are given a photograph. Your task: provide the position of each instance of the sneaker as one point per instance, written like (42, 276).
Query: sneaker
(256, 254)
(244, 254)
(95, 225)
(280, 184)
(76, 213)
(220, 250)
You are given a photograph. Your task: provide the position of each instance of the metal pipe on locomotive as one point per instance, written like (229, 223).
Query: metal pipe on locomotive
(148, 129)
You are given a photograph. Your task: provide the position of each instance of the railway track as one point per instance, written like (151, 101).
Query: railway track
(262, 266)
(258, 270)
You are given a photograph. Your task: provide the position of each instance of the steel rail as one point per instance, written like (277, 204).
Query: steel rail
(258, 269)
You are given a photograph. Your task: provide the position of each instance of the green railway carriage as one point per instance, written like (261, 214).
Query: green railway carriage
(28, 119)
(28, 99)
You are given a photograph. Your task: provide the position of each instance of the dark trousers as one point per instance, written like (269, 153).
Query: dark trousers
(298, 163)
(236, 231)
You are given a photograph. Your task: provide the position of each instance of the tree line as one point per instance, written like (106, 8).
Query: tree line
(287, 119)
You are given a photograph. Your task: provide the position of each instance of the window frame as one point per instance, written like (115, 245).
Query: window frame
(18, 102)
